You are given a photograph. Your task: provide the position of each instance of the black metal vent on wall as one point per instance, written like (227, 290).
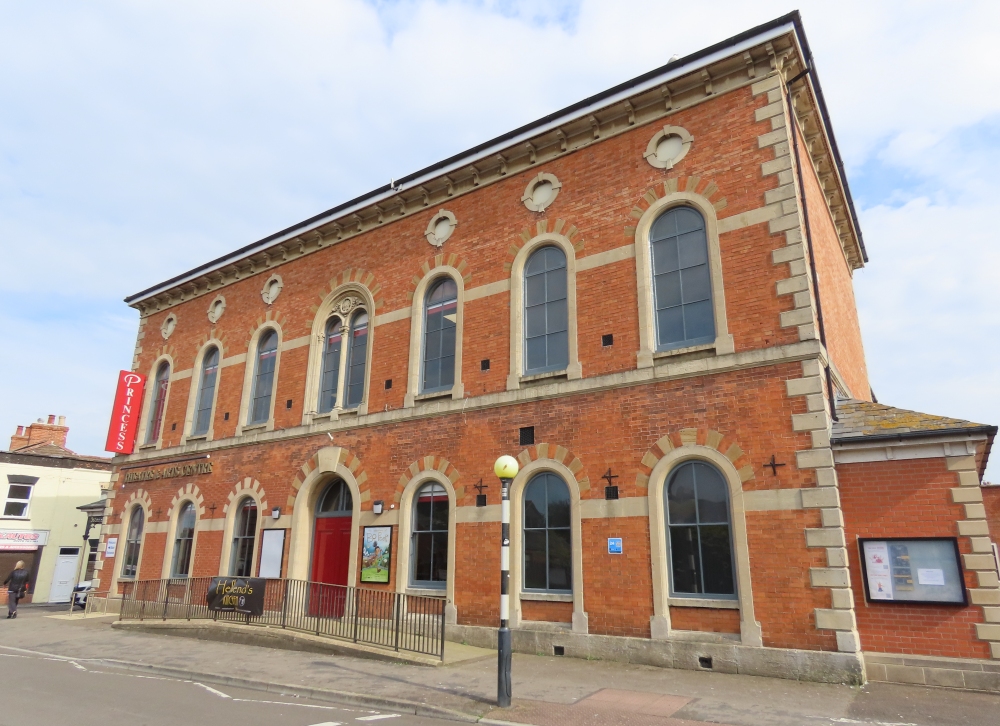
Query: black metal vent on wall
(527, 436)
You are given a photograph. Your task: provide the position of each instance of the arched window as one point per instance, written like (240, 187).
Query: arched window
(429, 549)
(206, 391)
(263, 384)
(546, 321)
(133, 543)
(329, 382)
(183, 541)
(682, 286)
(439, 336)
(336, 501)
(159, 399)
(547, 546)
(244, 537)
(701, 553)
(357, 359)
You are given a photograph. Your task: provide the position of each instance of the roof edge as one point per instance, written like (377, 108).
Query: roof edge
(904, 435)
(792, 19)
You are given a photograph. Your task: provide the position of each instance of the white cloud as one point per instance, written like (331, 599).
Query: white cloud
(139, 140)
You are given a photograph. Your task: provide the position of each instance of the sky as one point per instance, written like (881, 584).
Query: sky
(140, 139)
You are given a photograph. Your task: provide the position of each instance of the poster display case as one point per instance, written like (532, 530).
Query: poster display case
(924, 570)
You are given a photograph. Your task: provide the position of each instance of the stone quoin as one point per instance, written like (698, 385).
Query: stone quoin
(654, 284)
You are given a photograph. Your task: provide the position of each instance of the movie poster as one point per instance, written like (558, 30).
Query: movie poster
(376, 551)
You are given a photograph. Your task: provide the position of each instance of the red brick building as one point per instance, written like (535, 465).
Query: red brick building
(649, 290)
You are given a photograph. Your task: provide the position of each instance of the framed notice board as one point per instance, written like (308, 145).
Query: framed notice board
(925, 570)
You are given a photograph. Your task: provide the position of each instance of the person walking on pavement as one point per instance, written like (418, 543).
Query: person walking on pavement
(17, 587)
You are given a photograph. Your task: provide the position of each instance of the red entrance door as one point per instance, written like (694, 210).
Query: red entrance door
(331, 552)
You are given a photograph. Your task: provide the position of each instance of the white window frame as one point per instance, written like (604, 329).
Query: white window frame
(573, 370)
(418, 319)
(27, 502)
(249, 379)
(648, 349)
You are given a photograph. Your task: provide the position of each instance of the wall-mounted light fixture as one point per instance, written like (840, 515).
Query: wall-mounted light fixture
(377, 506)
(276, 513)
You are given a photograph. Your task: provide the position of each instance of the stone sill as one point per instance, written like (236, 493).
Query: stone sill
(547, 596)
(433, 395)
(426, 592)
(683, 351)
(703, 602)
(561, 373)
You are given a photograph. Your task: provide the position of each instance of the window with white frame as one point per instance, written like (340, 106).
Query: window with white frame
(206, 392)
(133, 543)
(159, 401)
(682, 285)
(699, 534)
(440, 322)
(183, 541)
(357, 360)
(546, 312)
(18, 495)
(548, 564)
(429, 549)
(329, 382)
(263, 380)
(244, 537)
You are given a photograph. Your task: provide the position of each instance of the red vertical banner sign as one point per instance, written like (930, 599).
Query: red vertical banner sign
(125, 414)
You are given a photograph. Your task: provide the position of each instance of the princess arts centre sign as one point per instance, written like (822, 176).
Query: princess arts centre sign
(169, 472)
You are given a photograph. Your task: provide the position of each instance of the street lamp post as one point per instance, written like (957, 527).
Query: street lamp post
(506, 469)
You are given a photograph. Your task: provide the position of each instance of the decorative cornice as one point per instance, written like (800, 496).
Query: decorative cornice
(680, 85)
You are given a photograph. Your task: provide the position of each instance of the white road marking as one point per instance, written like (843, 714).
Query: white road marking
(377, 717)
(286, 703)
(77, 665)
(872, 723)
(220, 694)
(328, 723)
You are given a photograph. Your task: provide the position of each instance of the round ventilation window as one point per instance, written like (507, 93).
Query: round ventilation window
(669, 147)
(542, 193)
(442, 228)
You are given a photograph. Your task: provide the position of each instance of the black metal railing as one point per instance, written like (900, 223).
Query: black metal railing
(375, 617)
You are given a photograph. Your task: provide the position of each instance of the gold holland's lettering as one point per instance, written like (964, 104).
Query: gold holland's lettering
(170, 472)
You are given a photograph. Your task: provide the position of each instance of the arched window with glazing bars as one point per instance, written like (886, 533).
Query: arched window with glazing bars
(263, 381)
(206, 392)
(159, 402)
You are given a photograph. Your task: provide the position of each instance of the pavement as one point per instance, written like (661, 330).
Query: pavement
(548, 690)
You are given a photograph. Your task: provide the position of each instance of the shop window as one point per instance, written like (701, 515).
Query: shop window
(183, 541)
(330, 375)
(700, 539)
(357, 360)
(244, 538)
(547, 545)
(441, 320)
(18, 496)
(682, 286)
(133, 543)
(263, 386)
(206, 391)
(430, 537)
(160, 383)
(546, 317)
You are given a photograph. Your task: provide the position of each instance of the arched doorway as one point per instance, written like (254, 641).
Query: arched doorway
(332, 535)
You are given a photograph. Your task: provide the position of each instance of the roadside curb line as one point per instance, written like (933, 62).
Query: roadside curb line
(319, 694)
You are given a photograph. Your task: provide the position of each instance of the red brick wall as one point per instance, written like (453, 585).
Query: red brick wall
(836, 288)
(908, 498)
(550, 612)
(991, 500)
(708, 620)
(598, 194)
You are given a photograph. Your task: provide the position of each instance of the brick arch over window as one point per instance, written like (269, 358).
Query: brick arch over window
(543, 226)
(248, 486)
(559, 454)
(358, 277)
(213, 336)
(692, 437)
(432, 263)
(429, 463)
(139, 496)
(692, 184)
(345, 457)
(166, 350)
(269, 316)
(189, 492)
